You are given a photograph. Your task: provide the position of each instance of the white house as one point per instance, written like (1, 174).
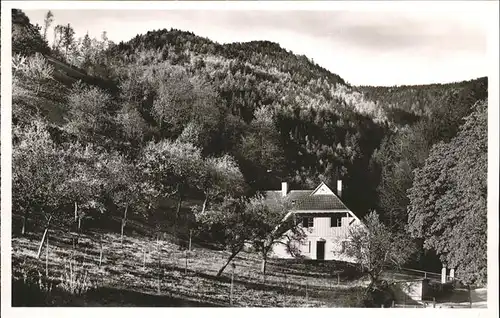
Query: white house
(325, 220)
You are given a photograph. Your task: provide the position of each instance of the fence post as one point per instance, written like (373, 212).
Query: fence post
(338, 279)
(144, 258)
(186, 265)
(284, 290)
(470, 297)
(307, 293)
(47, 258)
(190, 234)
(100, 250)
(159, 262)
(232, 283)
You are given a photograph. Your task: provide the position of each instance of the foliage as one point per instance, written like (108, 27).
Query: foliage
(35, 92)
(222, 177)
(89, 113)
(26, 38)
(448, 199)
(171, 167)
(375, 248)
(191, 118)
(272, 225)
(38, 175)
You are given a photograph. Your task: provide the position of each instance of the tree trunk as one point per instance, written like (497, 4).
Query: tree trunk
(178, 211)
(23, 229)
(76, 212)
(124, 222)
(204, 203)
(263, 265)
(233, 254)
(43, 237)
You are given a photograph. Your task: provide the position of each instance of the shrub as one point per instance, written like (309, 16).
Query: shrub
(76, 279)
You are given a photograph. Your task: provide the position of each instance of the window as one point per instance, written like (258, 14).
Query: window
(308, 222)
(344, 246)
(336, 220)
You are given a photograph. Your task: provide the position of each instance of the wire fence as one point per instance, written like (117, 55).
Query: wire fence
(289, 286)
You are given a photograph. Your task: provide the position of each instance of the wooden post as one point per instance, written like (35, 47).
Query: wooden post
(284, 291)
(443, 275)
(190, 234)
(186, 265)
(43, 238)
(393, 304)
(100, 250)
(338, 279)
(307, 293)
(144, 258)
(232, 282)
(159, 261)
(470, 297)
(47, 258)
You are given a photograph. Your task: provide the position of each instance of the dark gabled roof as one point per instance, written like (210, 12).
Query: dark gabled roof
(320, 202)
(304, 200)
(274, 197)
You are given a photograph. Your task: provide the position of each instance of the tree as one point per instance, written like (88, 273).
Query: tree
(261, 152)
(64, 42)
(47, 21)
(231, 223)
(123, 184)
(448, 199)
(89, 113)
(375, 248)
(171, 168)
(36, 175)
(222, 177)
(273, 224)
(85, 167)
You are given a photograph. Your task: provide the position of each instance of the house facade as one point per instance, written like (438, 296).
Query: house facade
(325, 219)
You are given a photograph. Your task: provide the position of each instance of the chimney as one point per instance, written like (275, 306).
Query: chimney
(339, 188)
(284, 189)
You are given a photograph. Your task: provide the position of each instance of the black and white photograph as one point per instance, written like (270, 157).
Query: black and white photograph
(250, 154)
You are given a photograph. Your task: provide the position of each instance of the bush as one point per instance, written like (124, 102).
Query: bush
(76, 279)
(373, 298)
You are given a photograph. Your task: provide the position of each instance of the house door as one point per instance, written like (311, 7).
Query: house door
(320, 250)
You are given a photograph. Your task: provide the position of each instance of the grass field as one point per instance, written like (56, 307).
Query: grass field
(131, 275)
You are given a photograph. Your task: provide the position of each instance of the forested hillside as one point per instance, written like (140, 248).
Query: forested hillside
(171, 114)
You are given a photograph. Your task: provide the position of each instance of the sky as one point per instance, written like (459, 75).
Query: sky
(363, 47)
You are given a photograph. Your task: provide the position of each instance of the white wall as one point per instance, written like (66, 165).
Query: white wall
(322, 231)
